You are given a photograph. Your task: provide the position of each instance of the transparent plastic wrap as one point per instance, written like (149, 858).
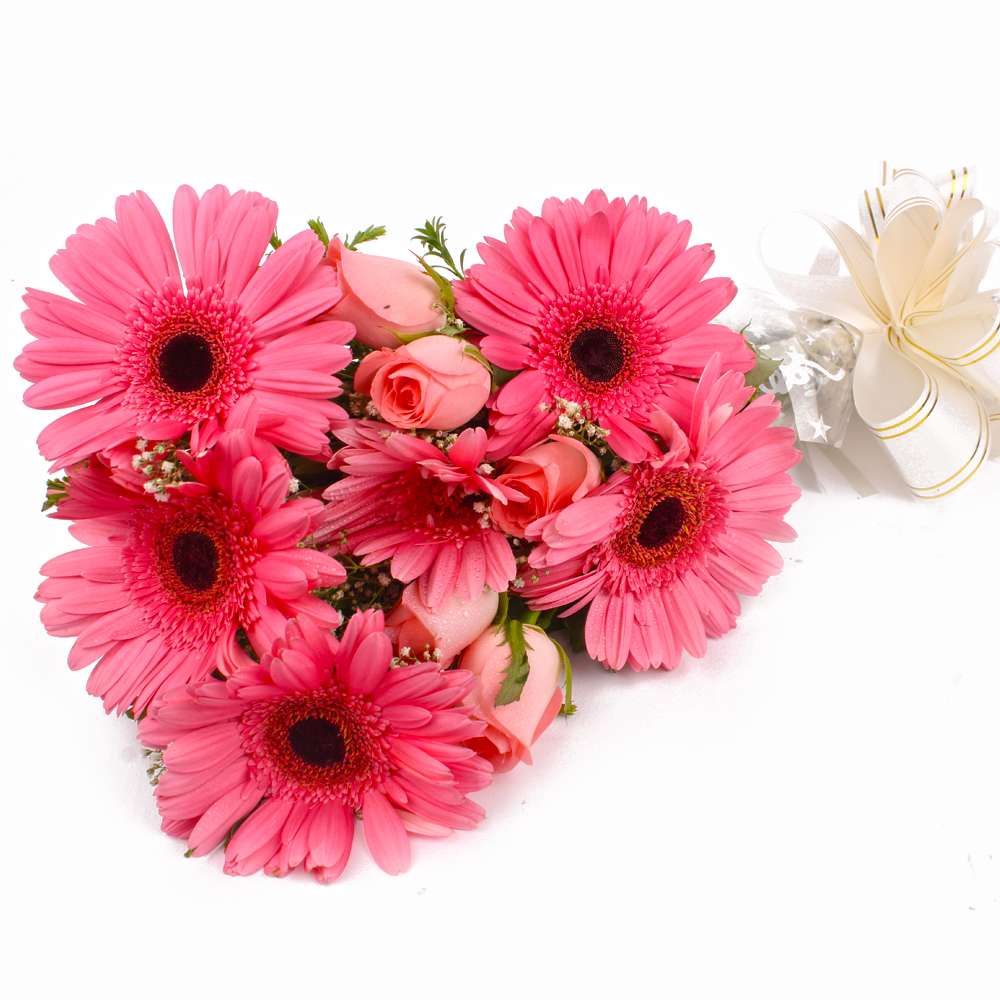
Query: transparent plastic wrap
(817, 355)
(814, 381)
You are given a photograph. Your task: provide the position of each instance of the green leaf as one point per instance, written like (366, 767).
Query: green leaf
(474, 352)
(761, 371)
(517, 609)
(275, 242)
(501, 616)
(501, 376)
(320, 230)
(544, 621)
(576, 627)
(764, 368)
(409, 338)
(365, 236)
(517, 670)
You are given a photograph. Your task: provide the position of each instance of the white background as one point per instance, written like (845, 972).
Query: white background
(813, 810)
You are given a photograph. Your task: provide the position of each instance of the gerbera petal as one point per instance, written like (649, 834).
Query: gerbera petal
(214, 824)
(100, 276)
(672, 645)
(77, 435)
(629, 249)
(595, 631)
(286, 269)
(258, 838)
(468, 451)
(247, 248)
(409, 558)
(595, 247)
(330, 835)
(440, 579)
(767, 526)
(282, 575)
(472, 571)
(385, 834)
(282, 528)
(546, 252)
(51, 315)
(760, 464)
(697, 305)
(618, 624)
(186, 203)
(369, 662)
(417, 824)
(247, 478)
(145, 235)
(480, 314)
(627, 440)
(715, 615)
(590, 517)
(685, 270)
(685, 619)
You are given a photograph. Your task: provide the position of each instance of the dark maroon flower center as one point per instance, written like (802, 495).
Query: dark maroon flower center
(317, 742)
(185, 363)
(195, 559)
(597, 354)
(661, 523)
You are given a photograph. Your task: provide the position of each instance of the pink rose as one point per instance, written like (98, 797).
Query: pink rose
(512, 729)
(411, 625)
(383, 296)
(552, 475)
(431, 383)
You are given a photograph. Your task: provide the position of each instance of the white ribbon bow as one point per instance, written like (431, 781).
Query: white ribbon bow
(930, 337)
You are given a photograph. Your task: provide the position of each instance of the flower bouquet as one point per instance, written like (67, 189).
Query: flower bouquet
(332, 504)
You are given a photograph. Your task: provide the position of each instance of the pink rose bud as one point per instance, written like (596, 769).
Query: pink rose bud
(512, 729)
(431, 383)
(443, 635)
(383, 296)
(552, 475)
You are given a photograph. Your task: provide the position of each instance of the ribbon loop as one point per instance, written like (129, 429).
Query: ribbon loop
(927, 378)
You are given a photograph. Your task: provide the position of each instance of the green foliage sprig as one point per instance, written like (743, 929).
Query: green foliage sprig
(320, 230)
(365, 236)
(431, 236)
(361, 236)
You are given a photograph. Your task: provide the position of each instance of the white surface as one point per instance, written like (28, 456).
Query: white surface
(813, 810)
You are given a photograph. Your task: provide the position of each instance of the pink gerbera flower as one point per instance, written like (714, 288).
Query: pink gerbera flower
(603, 305)
(160, 591)
(162, 356)
(404, 499)
(661, 550)
(315, 732)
